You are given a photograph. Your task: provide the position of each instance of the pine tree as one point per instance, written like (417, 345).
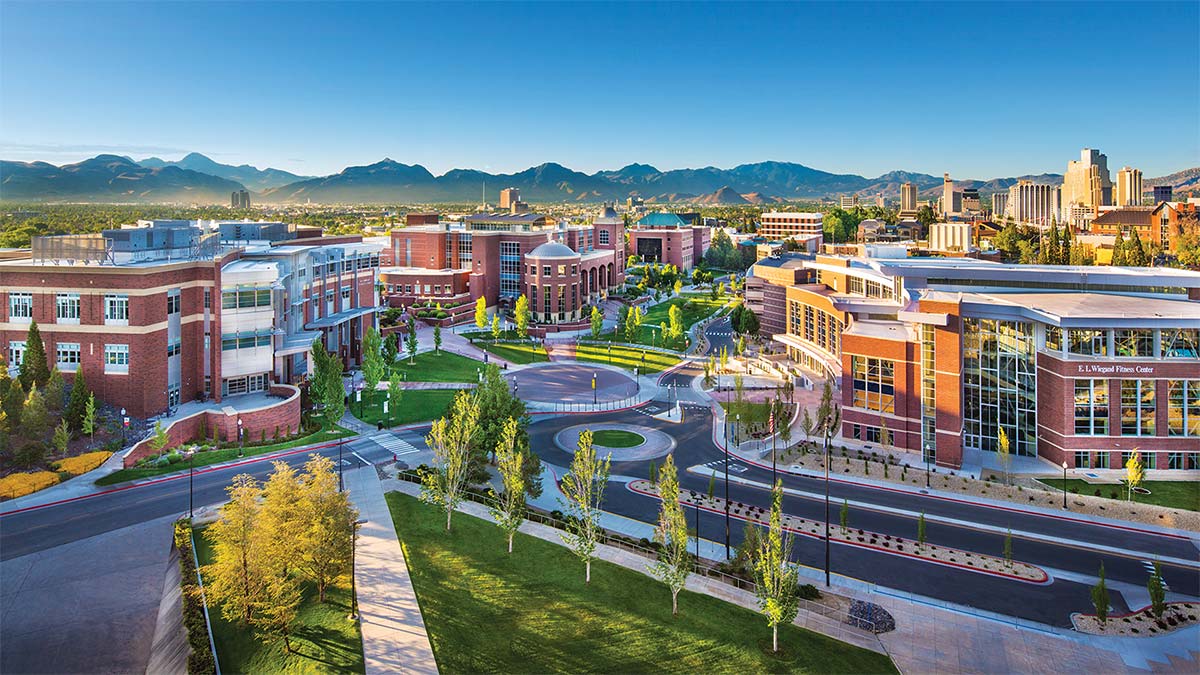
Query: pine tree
(844, 516)
(12, 400)
(674, 564)
(1118, 254)
(1100, 598)
(921, 530)
(88, 425)
(35, 418)
(1008, 548)
(61, 438)
(55, 391)
(77, 402)
(33, 369)
(1136, 255)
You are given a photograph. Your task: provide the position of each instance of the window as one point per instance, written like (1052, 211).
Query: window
(1082, 459)
(173, 395)
(1174, 460)
(67, 356)
(603, 236)
(116, 358)
(545, 270)
(1134, 342)
(1137, 407)
(173, 347)
(1053, 339)
(16, 352)
(1181, 343)
(873, 383)
(116, 310)
(66, 308)
(855, 286)
(1091, 407)
(1100, 460)
(20, 307)
(173, 301)
(1183, 408)
(1088, 342)
(244, 298)
(1149, 460)
(208, 295)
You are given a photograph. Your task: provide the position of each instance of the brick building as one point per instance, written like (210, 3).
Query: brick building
(173, 311)
(500, 256)
(1077, 364)
(670, 238)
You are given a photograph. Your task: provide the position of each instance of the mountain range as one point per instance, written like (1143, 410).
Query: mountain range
(196, 178)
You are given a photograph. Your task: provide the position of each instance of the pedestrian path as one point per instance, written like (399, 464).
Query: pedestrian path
(393, 443)
(393, 631)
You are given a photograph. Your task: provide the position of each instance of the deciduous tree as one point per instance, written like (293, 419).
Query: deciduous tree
(521, 316)
(509, 505)
(373, 368)
(1134, 473)
(674, 564)
(776, 579)
(450, 440)
(1157, 592)
(437, 338)
(410, 340)
(584, 488)
(328, 525)
(238, 574)
(61, 438)
(1100, 598)
(88, 425)
(1003, 452)
(597, 322)
(326, 387)
(481, 320)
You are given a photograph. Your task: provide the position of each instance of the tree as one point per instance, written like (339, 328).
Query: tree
(481, 320)
(281, 516)
(1008, 548)
(584, 489)
(509, 506)
(12, 400)
(391, 348)
(437, 338)
(35, 418)
(495, 326)
(807, 425)
(844, 516)
(622, 319)
(373, 367)
(496, 404)
(1157, 592)
(521, 316)
(1135, 253)
(88, 426)
(775, 577)
(678, 287)
(326, 387)
(410, 340)
(1134, 472)
(33, 368)
(61, 438)
(739, 345)
(675, 314)
(926, 217)
(76, 402)
(238, 574)
(1100, 598)
(328, 525)
(921, 530)
(395, 393)
(597, 322)
(1003, 455)
(160, 440)
(55, 391)
(633, 324)
(674, 564)
(277, 608)
(450, 440)
(1118, 254)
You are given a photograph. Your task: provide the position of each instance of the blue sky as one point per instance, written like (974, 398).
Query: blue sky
(978, 89)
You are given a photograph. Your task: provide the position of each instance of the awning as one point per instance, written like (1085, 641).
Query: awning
(297, 343)
(340, 317)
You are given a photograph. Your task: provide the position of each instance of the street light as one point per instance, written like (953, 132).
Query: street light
(341, 483)
(1064, 483)
(191, 473)
(353, 586)
(124, 426)
(928, 451)
(241, 438)
(593, 388)
(726, 416)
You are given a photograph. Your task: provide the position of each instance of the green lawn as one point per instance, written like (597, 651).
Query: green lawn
(1172, 494)
(531, 612)
(754, 413)
(325, 641)
(626, 357)
(513, 352)
(417, 405)
(510, 334)
(217, 456)
(617, 438)
(694, 307)
(443, 367)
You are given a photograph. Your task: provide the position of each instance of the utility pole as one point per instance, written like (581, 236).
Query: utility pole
(727, 556)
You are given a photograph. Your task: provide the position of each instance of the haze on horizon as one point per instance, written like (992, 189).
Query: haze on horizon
(979, 90)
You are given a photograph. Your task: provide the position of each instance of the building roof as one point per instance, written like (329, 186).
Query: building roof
(1133, 215)
(1082, 309)
(661, 219)
(553, 249)
(504, 218)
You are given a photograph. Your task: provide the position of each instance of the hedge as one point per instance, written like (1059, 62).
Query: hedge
(200, 660)
(83, 463)
(21, 484)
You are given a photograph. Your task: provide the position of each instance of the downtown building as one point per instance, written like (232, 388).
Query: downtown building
(560, 269)
(172, 311)
(1080, 365)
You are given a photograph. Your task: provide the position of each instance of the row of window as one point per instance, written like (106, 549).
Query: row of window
(246, 297)
(338, 266)
(873, 383)
(435, 289)
(230, 341)
(1125, 342)
(1085, 459)
(66, 308)
(1138, 407)
(815, 326)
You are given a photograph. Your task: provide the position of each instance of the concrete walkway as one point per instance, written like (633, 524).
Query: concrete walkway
(393, 632)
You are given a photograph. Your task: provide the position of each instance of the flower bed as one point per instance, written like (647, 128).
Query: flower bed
(1142, 623)
(884, 543)
(21, 484)
(82, 464)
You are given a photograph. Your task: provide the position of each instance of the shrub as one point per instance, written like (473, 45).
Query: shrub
(83, 463)
(809, 592)
(29, 455)
(200, 661)
(164, 460)
(20, 484)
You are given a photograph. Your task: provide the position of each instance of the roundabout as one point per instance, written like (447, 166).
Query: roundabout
(630, 442)
(571, 383)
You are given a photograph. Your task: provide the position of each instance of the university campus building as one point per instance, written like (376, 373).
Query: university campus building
(172, 311)
(501, 256)
(671, 238)
(1081, 365)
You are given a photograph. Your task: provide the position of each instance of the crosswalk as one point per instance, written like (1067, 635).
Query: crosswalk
(1149, 565)
(720, 333)
(394, 444)
(719, 464)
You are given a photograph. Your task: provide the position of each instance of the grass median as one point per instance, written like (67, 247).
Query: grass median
(439, 367)
(225, 454)
(323, 641)
(1168, 493)
(516, 352)
(531, 612)
(617, 438)
(626, 357)
(416, 405)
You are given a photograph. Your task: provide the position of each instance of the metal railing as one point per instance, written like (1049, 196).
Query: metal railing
(602, 406)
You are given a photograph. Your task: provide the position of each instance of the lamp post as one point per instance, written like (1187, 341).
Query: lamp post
(637, 382)
(593, 388)
(341, 483)
(726, 486)
(241, 438)
(1064, 483)
(928, 451)
(610, 355)
(353, 553)
(191, 473)
(832, 424)
(124, 426)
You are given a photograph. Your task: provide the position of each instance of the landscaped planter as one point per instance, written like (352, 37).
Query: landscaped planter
(1178, 615)
(884, 543)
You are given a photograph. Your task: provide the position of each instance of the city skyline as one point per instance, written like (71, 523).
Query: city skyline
(721, 86)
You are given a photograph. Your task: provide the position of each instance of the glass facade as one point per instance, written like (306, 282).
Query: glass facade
(999, 384)
(1183, 408)
(1091, 407)
(1137, 407)
(873, 382)
(820, 328)
(928, 394)
(510, 269)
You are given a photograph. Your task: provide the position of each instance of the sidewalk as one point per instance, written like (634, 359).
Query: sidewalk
(393, 632)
